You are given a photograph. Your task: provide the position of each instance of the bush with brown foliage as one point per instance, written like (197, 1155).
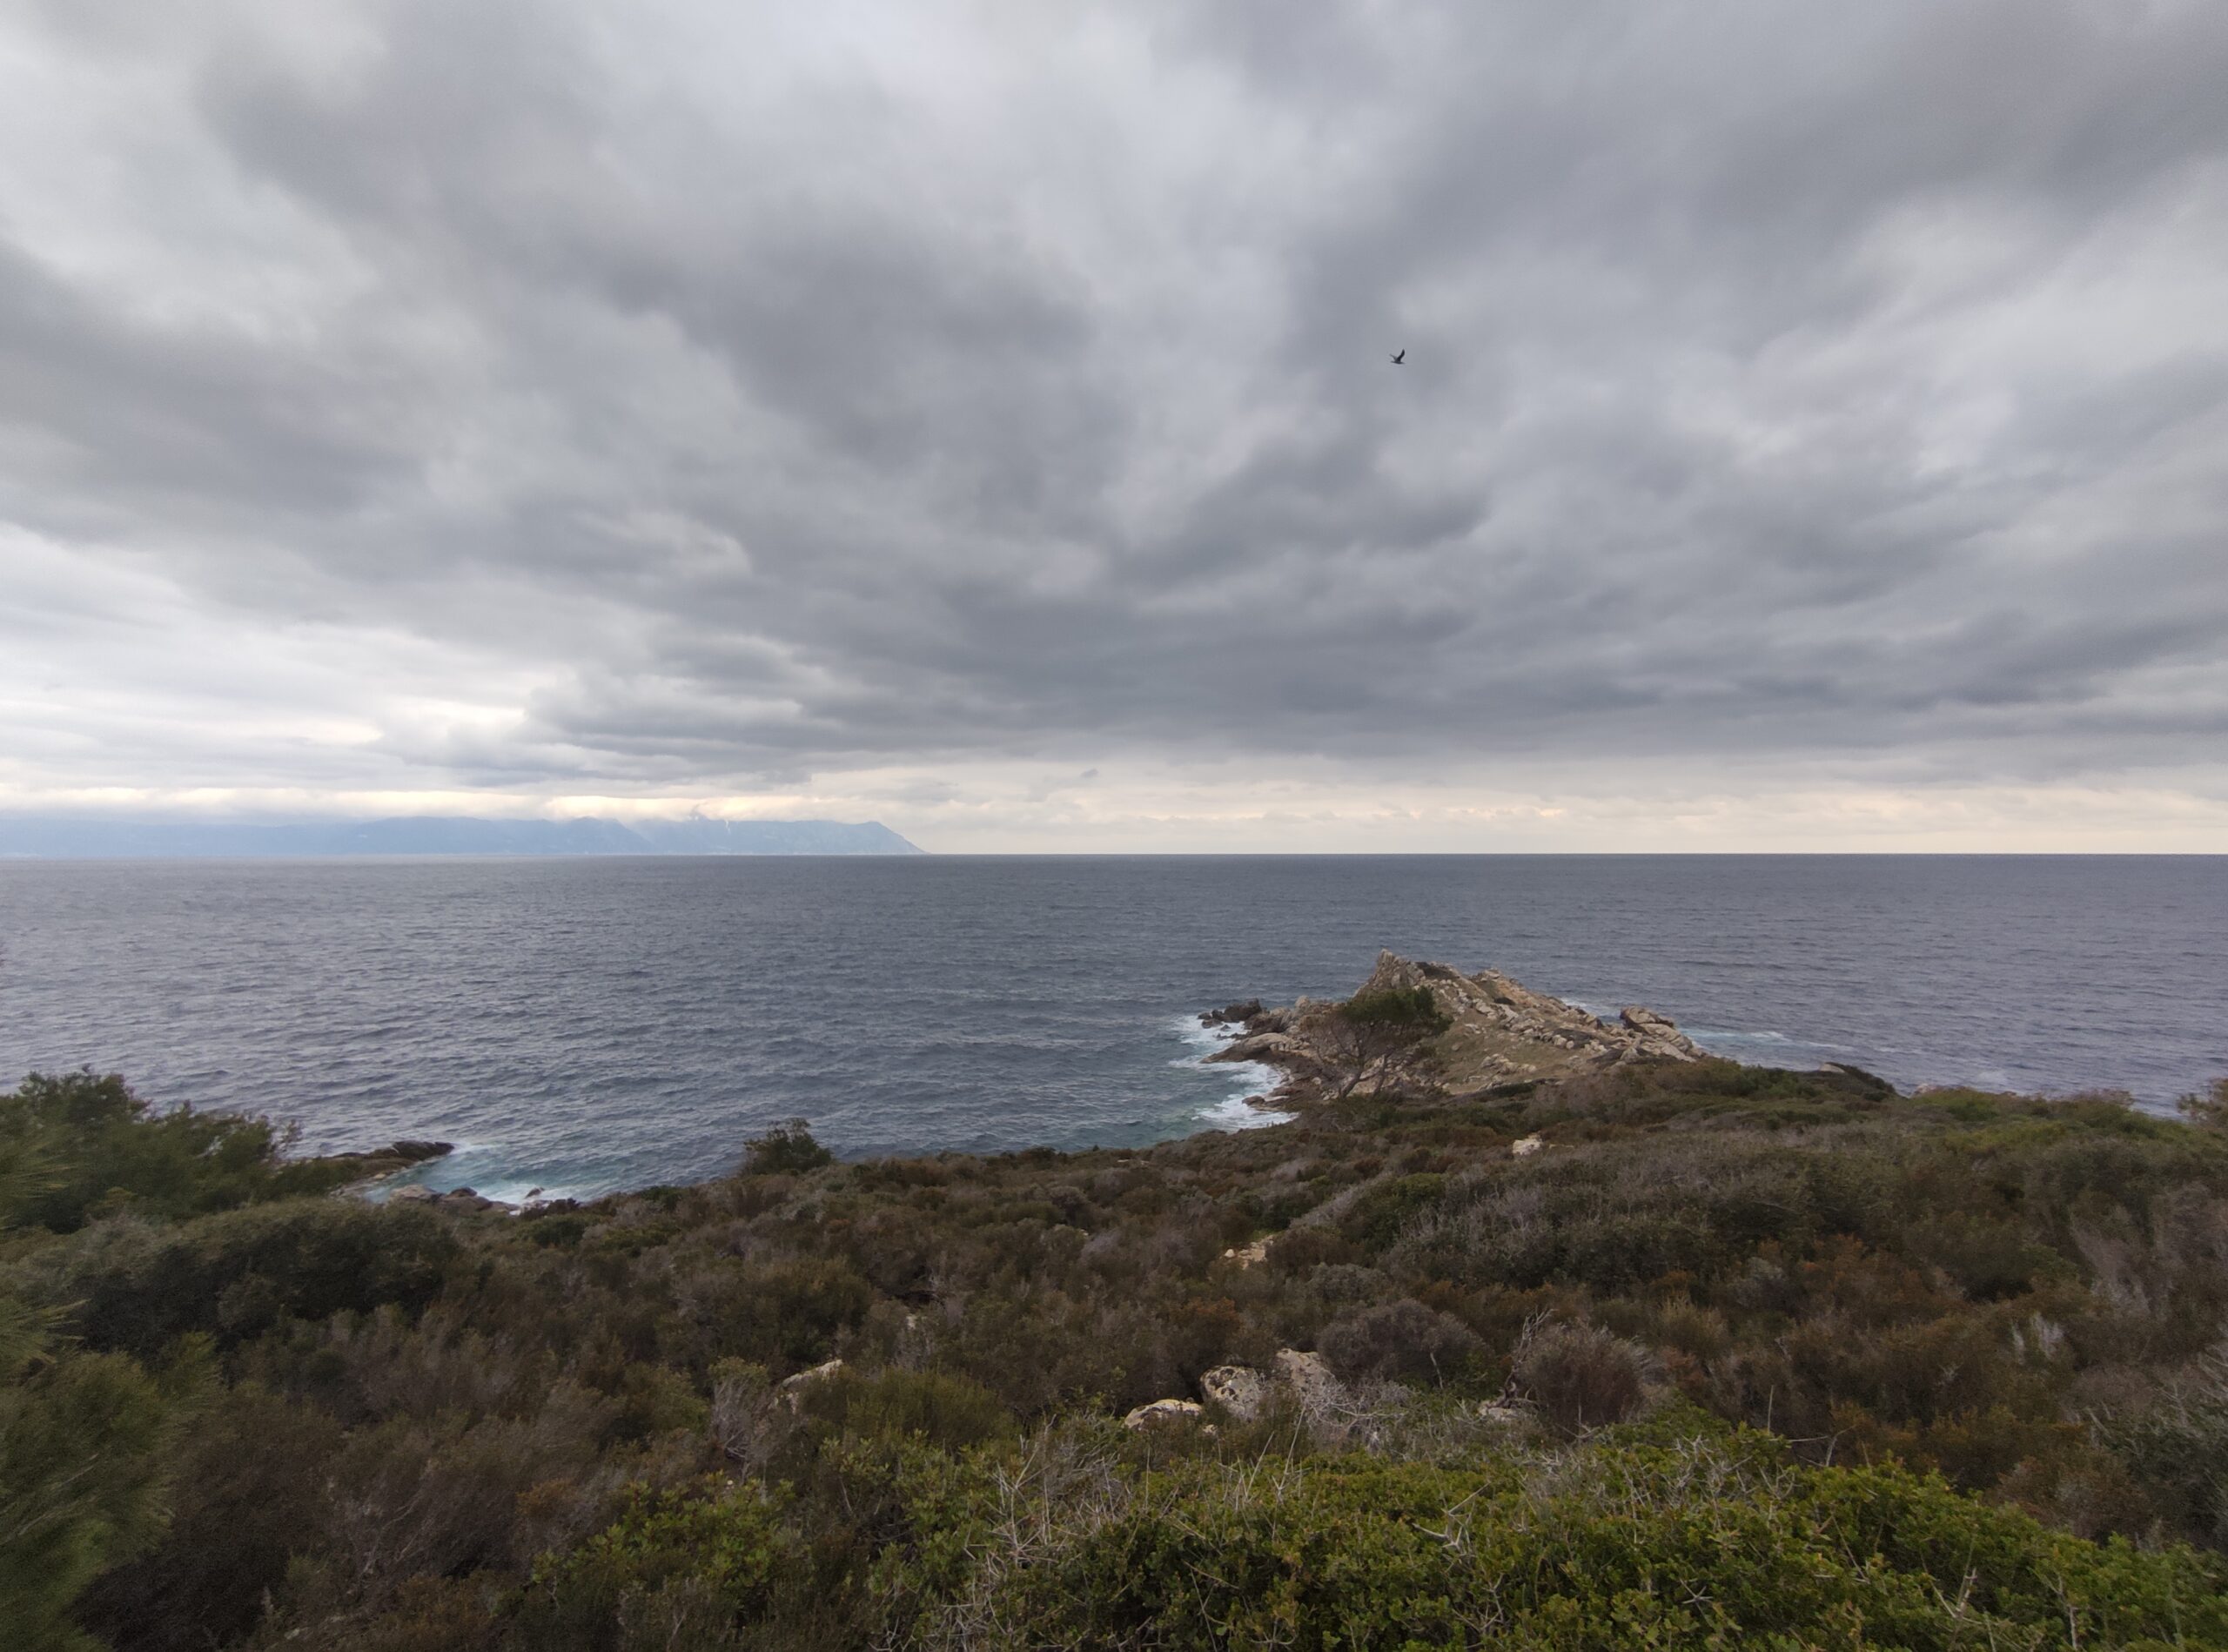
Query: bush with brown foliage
(1581, 1377)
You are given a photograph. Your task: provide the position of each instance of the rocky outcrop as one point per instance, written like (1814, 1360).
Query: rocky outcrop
(1315, 1388)
(399, 1152)
(1499, 1032)
(1238, 1389)
(1658, 1035)
(457, 1198)
(1231, 1014)
(793, 1389)
(1269, 1047)
(1303, 1380)
(1160, 1413)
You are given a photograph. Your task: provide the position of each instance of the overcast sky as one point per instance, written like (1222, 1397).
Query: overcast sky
(1814, 432)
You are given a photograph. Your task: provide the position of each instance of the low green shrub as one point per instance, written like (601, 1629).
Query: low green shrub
(677, 1567)
(786, 1149)
(934, 1407)
(134, 1285)
(103, 1150)
(1626, 1546)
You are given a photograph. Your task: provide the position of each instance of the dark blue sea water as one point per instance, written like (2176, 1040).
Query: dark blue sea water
(586, 1024)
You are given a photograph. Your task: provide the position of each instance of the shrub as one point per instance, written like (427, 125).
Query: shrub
(693, 1561)
(786, 1149)
(1400, 1342)
(1581, 1377)
(2179, 1446)
(1631, 1546)
(80, 1488)
(2210, 1110)
(135, 1287)
(1380, 1213)
(784, 1313)
(104, 1149)
(933, 1406)
(248, 1485)
(1299, 1249)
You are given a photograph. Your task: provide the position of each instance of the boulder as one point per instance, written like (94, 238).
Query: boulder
(1161, 1413)
(1658, 1034)
(1312, 1383)
(1524, 1146)
(792, 1388)
(1248, 1255)
(1238, 1389)
(1259, 1046)
(1231, 1012)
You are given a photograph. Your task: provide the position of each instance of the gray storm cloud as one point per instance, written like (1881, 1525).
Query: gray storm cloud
(578, 399)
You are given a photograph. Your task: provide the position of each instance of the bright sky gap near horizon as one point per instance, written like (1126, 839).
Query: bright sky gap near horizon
(978, 417)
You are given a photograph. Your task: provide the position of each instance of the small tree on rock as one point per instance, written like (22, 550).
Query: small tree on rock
(786, 1149)
(1379, 1037)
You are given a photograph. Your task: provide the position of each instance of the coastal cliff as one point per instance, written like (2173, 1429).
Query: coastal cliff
(1496, 1032)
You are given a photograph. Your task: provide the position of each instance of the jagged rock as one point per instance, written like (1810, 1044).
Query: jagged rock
(1238, 1389)
(1248, 1255)
(1231, 1013)
(1524, 1146)
(1258, 1046)
(792, 1388)
(1320, 1395)
(1658, 1034)
(1500, 1031)
(412, 1194)
(404, 1153)
(1161, 1413)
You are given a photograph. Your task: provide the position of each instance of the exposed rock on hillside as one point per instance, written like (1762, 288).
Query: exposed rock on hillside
(1161, 1413)
(1502, 1032)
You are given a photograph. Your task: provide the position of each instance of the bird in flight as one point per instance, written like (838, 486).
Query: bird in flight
(1401, 360)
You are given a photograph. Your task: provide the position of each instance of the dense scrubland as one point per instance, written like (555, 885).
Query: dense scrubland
(1739, 1357)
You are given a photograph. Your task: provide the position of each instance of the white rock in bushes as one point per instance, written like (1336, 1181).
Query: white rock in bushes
(1163, 1411)
(1238, 1389)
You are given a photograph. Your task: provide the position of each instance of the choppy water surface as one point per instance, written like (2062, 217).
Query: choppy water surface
(587, 1024)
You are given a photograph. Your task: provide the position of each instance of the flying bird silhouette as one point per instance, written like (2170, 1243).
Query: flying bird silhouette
(1401, 360)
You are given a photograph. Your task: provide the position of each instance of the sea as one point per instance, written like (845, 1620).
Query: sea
(577, 1026)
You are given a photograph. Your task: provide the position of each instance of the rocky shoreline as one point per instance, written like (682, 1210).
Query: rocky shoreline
(1498, 1031)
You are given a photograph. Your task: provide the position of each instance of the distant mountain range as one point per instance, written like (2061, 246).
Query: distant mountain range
(22, 836)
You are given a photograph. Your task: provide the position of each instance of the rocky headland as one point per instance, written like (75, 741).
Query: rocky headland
(1497, 1032)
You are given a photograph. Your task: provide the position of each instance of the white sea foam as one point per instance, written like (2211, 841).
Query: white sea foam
(1247, 1081)
(485, 1168)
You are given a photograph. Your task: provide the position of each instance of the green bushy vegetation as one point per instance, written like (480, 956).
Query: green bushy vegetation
(1740, 1358)
(101, 1150)
(1623, 1543)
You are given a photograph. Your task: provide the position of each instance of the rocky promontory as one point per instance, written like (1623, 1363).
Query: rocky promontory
(1496, 1030)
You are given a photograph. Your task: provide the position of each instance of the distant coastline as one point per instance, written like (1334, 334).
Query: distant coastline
(39, 838)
